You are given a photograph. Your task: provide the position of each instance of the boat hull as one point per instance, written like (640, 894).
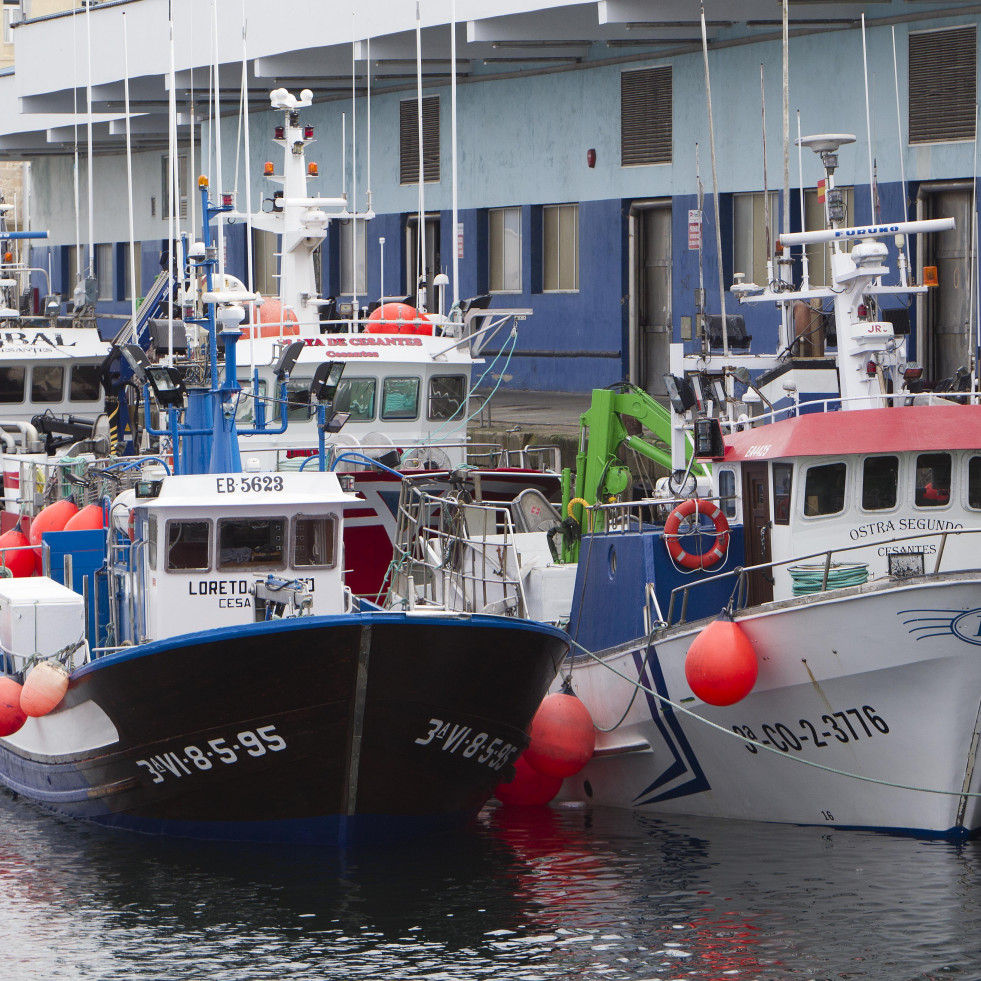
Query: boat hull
(323, 730)
(878, 686)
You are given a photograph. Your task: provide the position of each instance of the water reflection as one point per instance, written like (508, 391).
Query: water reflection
(525, 894)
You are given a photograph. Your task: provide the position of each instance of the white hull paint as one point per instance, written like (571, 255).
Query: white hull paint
(882, 681)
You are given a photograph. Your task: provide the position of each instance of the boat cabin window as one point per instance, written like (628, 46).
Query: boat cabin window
(727, 492)
(297, 399)
(314, 538)
(47, 383)
(880, 483)
(447, 394)
(188, 545)
(400, 398)
(824, 489)
(932, 480)
(12, 384)
(247, 542)
(246, 409)
(974, 482)
(357, 396)
(84, 383)
(783, 474)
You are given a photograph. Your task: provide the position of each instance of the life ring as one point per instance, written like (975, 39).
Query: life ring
(691, 560)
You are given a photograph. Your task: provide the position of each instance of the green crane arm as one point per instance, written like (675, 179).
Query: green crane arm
(599, 473)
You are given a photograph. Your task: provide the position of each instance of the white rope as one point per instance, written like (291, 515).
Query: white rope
(770, 749)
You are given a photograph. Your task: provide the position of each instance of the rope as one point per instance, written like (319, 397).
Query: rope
(810, 578)
(770, 749)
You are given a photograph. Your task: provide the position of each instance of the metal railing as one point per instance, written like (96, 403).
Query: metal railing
(738, 599)
(454, 553)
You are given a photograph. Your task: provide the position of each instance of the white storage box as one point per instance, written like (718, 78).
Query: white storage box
(38, 616)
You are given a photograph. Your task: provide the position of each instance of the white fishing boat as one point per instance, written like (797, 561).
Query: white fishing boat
(793, 639)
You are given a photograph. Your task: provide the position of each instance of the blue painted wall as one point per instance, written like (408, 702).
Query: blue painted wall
(523, 142)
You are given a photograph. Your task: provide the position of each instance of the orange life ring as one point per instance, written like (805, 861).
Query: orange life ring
(691, 560)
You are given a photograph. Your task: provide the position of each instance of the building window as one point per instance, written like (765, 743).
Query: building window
(409, 140)
(815, 217)
(128, 264)
(10, 17)
(942, 85)
(165, 169)
(71, 269)
(103, 271)
(750, 238)
(352, 244)
(560, 248)
(645, 116)
(504, 245)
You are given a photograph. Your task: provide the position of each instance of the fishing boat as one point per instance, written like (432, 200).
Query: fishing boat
(788, 633)
(201, 669)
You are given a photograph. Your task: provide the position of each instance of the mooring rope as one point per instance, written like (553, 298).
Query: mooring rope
(770, 749)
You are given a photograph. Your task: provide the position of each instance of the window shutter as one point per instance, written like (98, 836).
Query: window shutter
(942, 85)
(645, 116)
(409, 140)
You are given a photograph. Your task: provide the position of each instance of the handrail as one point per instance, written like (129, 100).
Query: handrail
(742, 572)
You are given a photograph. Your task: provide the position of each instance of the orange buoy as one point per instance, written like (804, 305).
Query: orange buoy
(52, 518)
(20, 560)
(394, 318)
(562, 736)
(272, 320)
(721, 665)
(90, 518)
(12, 716)
(529, 787)
(43, 688)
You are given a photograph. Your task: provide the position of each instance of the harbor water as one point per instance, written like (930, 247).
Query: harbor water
(525, 894)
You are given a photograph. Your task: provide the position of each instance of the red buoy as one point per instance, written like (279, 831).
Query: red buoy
(12, 716)
(562, 736)
(90, 518)
(52, 518)
(394, 318)
(19, 563)
(721, 665)
(529, 787)
(43, 688)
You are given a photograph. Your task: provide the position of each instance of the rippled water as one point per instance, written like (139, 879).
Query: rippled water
(523, 895)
